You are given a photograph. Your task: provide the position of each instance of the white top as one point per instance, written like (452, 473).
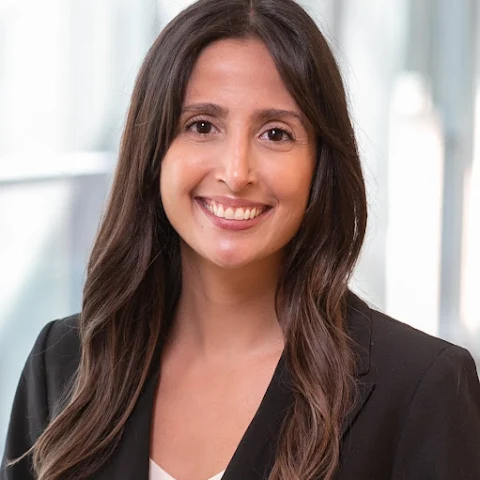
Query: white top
(157, 473)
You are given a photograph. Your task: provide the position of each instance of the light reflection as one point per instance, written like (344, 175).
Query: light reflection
(471, 267)
(415, 179)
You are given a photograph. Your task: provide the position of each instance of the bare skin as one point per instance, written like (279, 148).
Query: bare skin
(215, 371)
(226, 339)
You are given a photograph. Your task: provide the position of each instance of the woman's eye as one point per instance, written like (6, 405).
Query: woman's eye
(202, 127)
(278, 135)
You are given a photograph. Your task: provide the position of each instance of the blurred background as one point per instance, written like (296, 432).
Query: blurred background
(412, 70)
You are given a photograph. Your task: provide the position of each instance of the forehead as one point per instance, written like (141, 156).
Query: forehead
(238, 73)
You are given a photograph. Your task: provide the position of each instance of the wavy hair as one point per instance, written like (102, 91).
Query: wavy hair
(133, 276)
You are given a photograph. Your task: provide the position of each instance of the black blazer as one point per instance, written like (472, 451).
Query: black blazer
(417, 415)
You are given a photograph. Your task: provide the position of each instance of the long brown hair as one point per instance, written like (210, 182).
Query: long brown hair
(133, 277)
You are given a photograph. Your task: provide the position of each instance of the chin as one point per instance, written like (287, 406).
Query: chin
(230, 260)
(235, 259)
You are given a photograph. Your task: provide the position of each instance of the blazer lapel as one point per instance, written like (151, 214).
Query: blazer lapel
(359, 326)
(255, 453)
(130, 459)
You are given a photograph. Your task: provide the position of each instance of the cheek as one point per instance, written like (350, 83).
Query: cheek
(180, 173)
(293, 185)
(292, 189)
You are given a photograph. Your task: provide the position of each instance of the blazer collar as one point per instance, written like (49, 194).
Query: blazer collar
(359, 327)
(254, 456)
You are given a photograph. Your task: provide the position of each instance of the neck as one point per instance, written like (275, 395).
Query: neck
(225, 313)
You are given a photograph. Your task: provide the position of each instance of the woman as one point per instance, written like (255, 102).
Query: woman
(218, 338)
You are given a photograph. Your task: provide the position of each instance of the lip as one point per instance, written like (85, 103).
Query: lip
(234, 202)
(234, 225)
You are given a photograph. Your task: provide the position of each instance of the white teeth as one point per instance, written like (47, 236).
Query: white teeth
(239, 214)
(230, 213)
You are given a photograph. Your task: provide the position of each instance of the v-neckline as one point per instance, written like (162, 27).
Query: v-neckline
(255, 454)
(260, 436)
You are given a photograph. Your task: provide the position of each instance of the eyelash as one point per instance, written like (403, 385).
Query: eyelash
(194, 121)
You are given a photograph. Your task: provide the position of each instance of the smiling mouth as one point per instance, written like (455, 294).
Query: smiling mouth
(231, 213)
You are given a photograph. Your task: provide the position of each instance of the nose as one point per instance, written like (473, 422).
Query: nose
(236, 171)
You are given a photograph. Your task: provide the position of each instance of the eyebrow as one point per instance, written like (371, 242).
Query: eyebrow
(261, 114)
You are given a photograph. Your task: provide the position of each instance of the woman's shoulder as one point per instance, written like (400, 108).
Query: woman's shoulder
(390, 348)
(56, 354)
(59, 340)
(418, 395)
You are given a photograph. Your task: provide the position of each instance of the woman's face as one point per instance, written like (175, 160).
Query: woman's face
(235, 181)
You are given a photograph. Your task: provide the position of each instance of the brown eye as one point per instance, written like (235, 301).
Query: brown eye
(278, 135)
(275, 134)
(202, 127)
